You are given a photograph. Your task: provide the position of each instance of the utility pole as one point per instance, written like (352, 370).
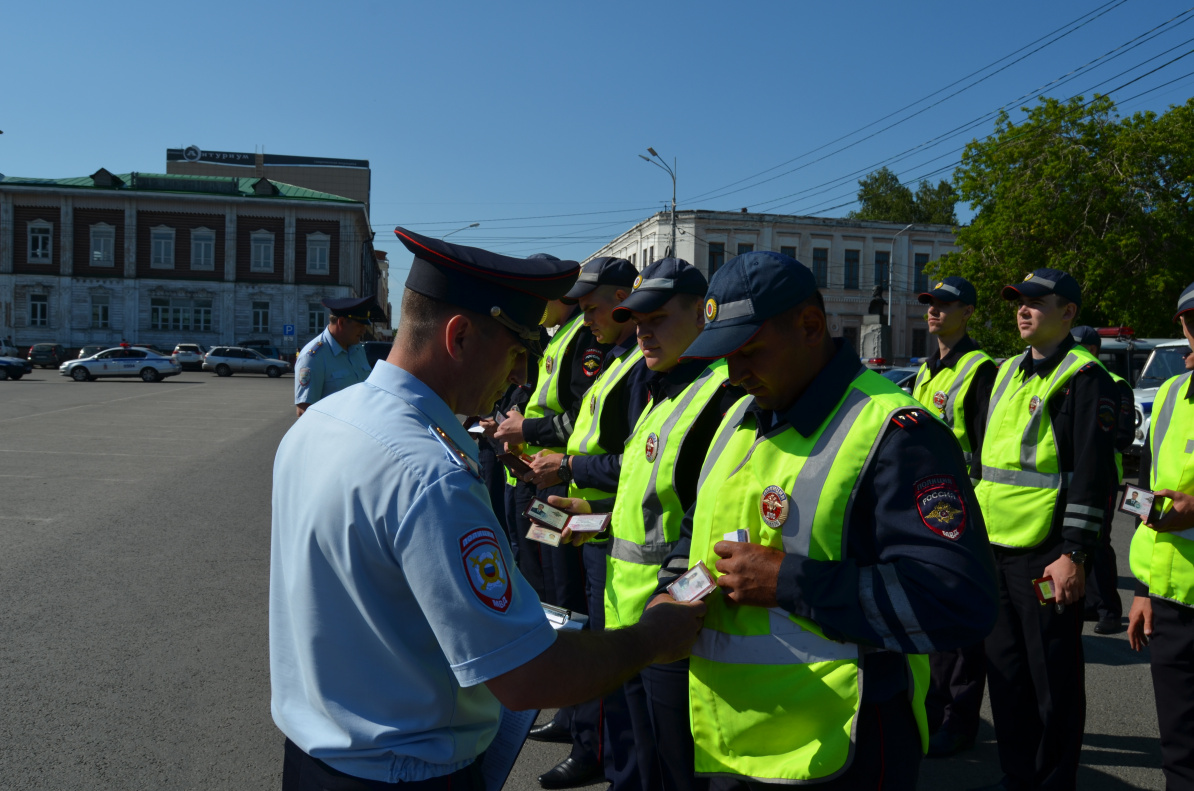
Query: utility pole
(671, 171)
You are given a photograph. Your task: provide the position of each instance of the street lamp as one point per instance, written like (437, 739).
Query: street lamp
(458, 230)
(891, 283)
(671, 171)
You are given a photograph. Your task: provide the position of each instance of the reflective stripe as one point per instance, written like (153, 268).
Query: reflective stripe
(903, 609)
(1164, 415)
(587, 277)
(1034, 480)
(734, 310)
(787, 644)
(1039, 279)
(1190, 446)
(661, 283)
(870, 608)
(1187, 534)
(650, 555)
(1002, 383)
(959, 381)
(1084, 509)
(1032, 430)
(948, 288)
(723, 439)
(1085, 524)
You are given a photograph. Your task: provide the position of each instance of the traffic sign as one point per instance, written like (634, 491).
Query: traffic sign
(288, 329)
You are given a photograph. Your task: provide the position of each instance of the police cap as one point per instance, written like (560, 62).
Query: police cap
(950, 289)
(1185, 302)
(658, 283)
(744, 293)
(1042, 282)
(361, 310)
(514, 291)
(603, 271)
(1087, 336)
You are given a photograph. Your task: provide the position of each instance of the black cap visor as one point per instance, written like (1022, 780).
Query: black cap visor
(642, 301)
(716, 342)
(1030, 290)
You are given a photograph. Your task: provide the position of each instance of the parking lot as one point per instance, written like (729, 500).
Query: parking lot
(133, 638)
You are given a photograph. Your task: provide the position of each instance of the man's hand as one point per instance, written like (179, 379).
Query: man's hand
(749, 572)
(671, 628)
(489, 425)
(300, 409)
(1180, 513)
(1140, 621)
(545, 468)
(1069, 580)
(573, 505)
(510, 429)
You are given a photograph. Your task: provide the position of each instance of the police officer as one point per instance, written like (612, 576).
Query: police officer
(335, 358)
(866, 550)
(398, 626)
(1047, 464)
(1103, 605)
(1162, 560)
(954, 384)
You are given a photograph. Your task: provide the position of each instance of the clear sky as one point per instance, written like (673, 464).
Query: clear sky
(508, 113)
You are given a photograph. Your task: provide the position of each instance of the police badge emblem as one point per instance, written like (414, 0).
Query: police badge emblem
(941, 507)
(485, 568)
(939, 399)
(710, 310)
(304, 376)
(652, 446)
(593, 405)
(1034, 404)
(774, 506)
(638, 281)
(549, 364)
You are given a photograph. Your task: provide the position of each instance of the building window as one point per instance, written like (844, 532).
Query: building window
(180, 314)
(103, 245)
(39, 310)
(261, 315)
(262, 258)
(41, 241)
(161, 240)
(852, 259)
(821, 266)
(883, 268)
(99, 311)
(317, 317)
(922, 280)
(203, 249)
(717, 256)
(920, 343)
(744, 248)
(319, 247)
(202, 315)
(790, 252)
(850, 334)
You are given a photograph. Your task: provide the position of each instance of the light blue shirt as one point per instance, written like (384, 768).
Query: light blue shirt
(393, 593)
(324, 367)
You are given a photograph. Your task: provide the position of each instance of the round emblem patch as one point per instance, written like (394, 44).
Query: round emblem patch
(941, 506)
(593, 405)
(652, 446)
(939, 285)
(304, 376)
(549, 364)
(939, 400)
(638, 281)
(485, 568)
(774, 506)
(1034, 404)
(710, 310)
(1027, 277)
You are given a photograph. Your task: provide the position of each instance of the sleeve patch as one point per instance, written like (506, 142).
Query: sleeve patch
(485, 568)
(304, 376)
(941, 505)
(1108, 414)
(591, 362)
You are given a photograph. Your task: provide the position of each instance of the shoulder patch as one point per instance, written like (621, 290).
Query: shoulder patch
(485, 568)
(1108, 413)
(304, 376)
(911, 418)
(591, 362)
(941, 506)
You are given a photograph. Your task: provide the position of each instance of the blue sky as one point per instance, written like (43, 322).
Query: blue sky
(492, 113)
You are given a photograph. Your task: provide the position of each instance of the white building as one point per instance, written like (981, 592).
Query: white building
(848, 258)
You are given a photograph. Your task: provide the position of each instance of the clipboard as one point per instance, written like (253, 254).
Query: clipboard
(513, 727)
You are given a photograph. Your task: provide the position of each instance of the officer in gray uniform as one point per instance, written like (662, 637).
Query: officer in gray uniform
(335, 358)
(399, 624)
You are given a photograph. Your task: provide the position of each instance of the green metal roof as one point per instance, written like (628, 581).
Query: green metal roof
(178, 183)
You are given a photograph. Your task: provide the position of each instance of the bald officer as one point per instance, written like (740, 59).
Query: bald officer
(399, 625)
(335, 358)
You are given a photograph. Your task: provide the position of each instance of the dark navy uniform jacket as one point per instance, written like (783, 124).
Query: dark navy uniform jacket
(619, 415)
(901, 586)
(583, 360)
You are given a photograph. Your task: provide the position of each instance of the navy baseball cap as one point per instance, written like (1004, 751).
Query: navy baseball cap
(1087, 336)
(514, 291)
(950, 289)
(658, 283)
(745, 292)
(1042, 282)
(1185, 302)
(603, 271)
(360, 310)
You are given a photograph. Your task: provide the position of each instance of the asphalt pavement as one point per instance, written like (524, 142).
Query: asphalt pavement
(134, 578)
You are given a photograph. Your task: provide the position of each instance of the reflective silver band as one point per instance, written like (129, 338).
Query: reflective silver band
(1084, 524)
(631, 552)
(1026, 478)
(741, 309)
(657, 284)
(1097, 513)
(903, 608)
(946, 287)
(787, 644)
(587, 277)
(1039, 279)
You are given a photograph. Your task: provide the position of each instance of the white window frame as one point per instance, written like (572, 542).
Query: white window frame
(161, 247)
(41, 299)
(261, 251)
(104, 320)
(260, 316)
(203, 237)
(317, 317)
(319, 243)
(46, 255)
(102, 232)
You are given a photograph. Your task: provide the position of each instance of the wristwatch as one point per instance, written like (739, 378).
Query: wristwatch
(564, 473)
(1078, 556)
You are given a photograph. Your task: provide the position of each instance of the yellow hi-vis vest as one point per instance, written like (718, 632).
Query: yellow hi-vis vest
(771, 698)
(647, 514)
(1119, 457)
(545, 401)
(586, 436)
(944, 395)
(1165, 561)
(1022, 476)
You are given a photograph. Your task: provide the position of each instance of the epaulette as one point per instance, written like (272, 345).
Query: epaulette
(911, 418)
(454, 453)
(1087, 367)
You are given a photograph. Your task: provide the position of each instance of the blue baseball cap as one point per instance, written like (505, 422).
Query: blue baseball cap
(1185, 302)
(744, 293)
(950, 289)
(658, 283)
(1087, 336)
(1042, 282)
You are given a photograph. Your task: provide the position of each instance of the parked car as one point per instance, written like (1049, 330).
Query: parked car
(1168, 359)
(122, 361)
(377, 350)
(189, 356)
(14, 367)
(264, 348)
(47, 355)
(89, 351)
(7, 349)
(904, 378)
(229, 360)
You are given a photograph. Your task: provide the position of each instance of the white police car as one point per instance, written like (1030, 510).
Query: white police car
(126, 361)
(1168, 359)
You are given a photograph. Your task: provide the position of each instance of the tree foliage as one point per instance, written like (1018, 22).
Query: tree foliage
(882, 197)
(1075, 187)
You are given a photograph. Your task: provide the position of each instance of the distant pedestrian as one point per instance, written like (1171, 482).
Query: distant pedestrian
(335, 358)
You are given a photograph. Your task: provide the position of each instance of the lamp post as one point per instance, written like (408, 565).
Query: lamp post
(671, 171)
(458, 230)
(891, 283)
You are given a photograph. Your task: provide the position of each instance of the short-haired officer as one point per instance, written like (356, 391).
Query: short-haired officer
(398, 626)
(334, 359)
(1162, 559)
(1047, 464)
(1103, 605)
(866, 550)
(954, 384)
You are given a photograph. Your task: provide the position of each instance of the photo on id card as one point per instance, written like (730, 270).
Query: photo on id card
(1138, 502)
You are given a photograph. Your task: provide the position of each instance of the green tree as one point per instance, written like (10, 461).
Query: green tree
(1074, 187)
(882, 197)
